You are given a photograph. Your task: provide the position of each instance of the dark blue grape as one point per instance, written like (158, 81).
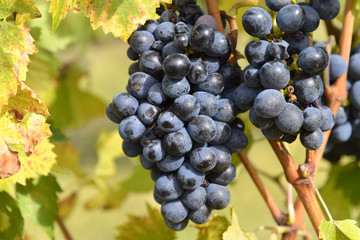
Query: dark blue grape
(272, 132)
(244, 96)
(157, 198)
(132, 55)
(170, 163)
(169, 16)
(169, 122)
(260, 122)
(150, 26)
(224, 178)
(139, 83)
(297, 42)
(154, 151)
(312, 140)
(218, 196)
(201, 215)
(279, 49)
(269, 103)
(290, 18)
(289, 138)
(189, 177)
(167, 187)
(208, 103)
(220, 46)
(165, 32)
(230, 74)
(198, 72)
(212, 64)
(290, 119)
(190, 13)
(155, 174)
(226, 111)
(237, 142)
(151, 63)
(342, 133)
(312, 119)
(141, 41)
(131, 128)
(202, 37)
(209, 20)
(223, 132)
(342, 116)
(328, 119)
(177, 226)
(327, 9)
(177, 143)
(214, 84)
(174, 211)
(307, 88)
(175, 88)
(223, 158)
(194, 199)
(110, 113)
(203, 159)
(202, 129)
(158, 46)
(147, 113)
(156, 95)
(124, 105)
(146, 163)
(186, 107)
(132, 149)
(354, 70)
(171, 48)
(176, 65)
(274, 75)
(257, 53)
(257, 22)
(313, 60)
(354, 95)
(181, 27)
(181, 40)
(312, 19)
(133, 68)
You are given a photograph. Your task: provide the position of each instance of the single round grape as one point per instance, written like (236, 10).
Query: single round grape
(133, 68)
(257, 53)
(342, 133)
(158, 46)
(276, 5)
(290, 119)
(312, 119)
(165, 32)
(169, 122)
(167, 187)
(198, 72)
(174, 211)
(186, 107)
(244, 96)
(146, 163)
(131, 128)
(279, 49)
(194, 199)
(214, 83)
(177, 143)
(226, 111)
(307, 88)
(223, 158)
(257, 22)
(272, 132)
(354, 63)
(260, 122)
(170, 163)
(312, 19)
(274, 75)
(220, 46)
(181, 27)
(269, 103)
(289, 138)
(208, 20)
(147, 113)
(203, 159)
(208, 103)
(154, 151)
(201, 215)
(354, 95)
(202, 129)
(342, 116)
(169, 16)
(290, 18)
(231, 75)
(177, 226)
(150, 26)
(110, 113)
(156, 95)
(297, 42)
(224, 178)
(141, 41)
(132, 55)
(139, 83)
(202, 37)
(155, 174)
(132, 149)
(124, 105)
(328, 119)
(251, 75)
(176, 65)
(151, 63)
(175, 88)
(189, 177)
(328, 9)
(313, 60)
(157, 198)
(171, 48)
(181, 40)
(218, 196)
(212, 64)
(312, 140)
(237, 142)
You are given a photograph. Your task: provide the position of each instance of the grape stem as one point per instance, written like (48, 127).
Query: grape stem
(246, 3)
(63, 228)
(213, 10)
(233, 35)
(279, 217)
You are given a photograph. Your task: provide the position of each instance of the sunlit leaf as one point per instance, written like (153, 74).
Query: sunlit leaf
(234, 232)
(213, 229)
(15, 45)
(68, 157)
(38, 201)
(25, 10)
(11, 220)
(145, 228)
(339, 230)
(59, 9)
(9, 161)
(108, 149)
(6, 8)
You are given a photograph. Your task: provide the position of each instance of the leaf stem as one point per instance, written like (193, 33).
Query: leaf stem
(321, 199)
(280, 217)
(63, 228)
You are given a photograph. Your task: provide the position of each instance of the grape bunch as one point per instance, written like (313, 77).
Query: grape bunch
(281, 86)
(345, 137)
(176, 114)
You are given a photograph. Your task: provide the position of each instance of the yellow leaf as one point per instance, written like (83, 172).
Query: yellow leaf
(59, 10)
(234, 231)
(25, 10)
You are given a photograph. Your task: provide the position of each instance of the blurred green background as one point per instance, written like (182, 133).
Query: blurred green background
(77, 72)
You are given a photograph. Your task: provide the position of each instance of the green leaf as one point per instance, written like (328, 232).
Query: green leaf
(15, 45)
(213, 229)
(234, 232)
(339, 230)
(136, 183)
(11, 221)
(59, 10)
(38, 201)
(25, 10)
(145, 228)
(6, 8)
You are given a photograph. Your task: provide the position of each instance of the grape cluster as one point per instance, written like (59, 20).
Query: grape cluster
(281, 86)
(345, 137)
(176, 113)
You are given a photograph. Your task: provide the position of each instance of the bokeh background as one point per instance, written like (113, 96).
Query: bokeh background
(76, 73)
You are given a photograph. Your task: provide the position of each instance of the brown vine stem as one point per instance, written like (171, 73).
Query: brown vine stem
(232, 36)
(301, 185)
(299, 220)
(63, 228)
(279, 217)
(213, 10)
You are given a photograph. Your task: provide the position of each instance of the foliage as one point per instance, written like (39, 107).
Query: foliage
(339, 230)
